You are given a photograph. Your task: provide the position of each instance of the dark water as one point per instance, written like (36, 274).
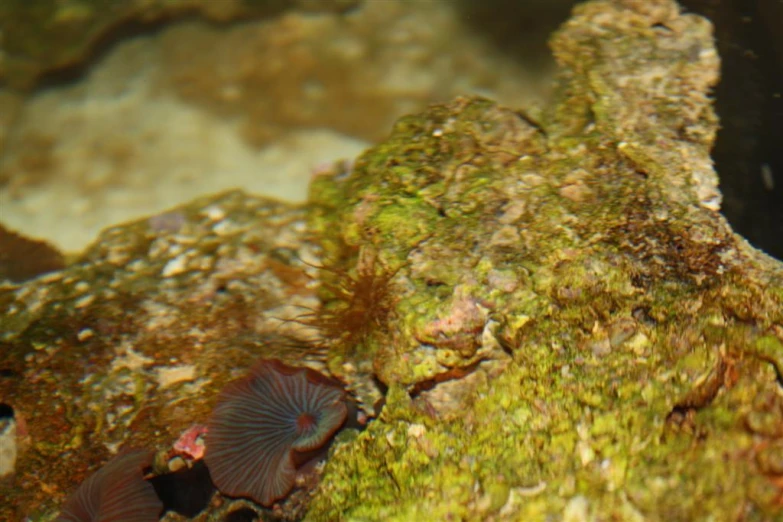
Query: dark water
(749, 100)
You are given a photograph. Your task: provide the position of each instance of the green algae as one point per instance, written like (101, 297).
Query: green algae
(569, 329)
(770, 349)
(630, 332)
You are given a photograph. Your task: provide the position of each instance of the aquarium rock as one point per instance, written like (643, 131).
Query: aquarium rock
(574, 325)
(565, 327)
(56, 35)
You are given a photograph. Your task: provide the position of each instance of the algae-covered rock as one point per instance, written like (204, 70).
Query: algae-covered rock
(47, 35)
(575, 332)
(130, 344)
(554, 317)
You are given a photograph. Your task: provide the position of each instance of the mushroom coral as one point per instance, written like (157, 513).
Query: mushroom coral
(263, 421)
(117, 491)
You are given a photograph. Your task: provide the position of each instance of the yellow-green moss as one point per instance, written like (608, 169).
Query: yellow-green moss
(626, 330)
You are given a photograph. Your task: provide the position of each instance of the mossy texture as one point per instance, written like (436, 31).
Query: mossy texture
(576, 332)
(563, 325)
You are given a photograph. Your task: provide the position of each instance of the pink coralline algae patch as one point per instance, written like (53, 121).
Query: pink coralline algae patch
(460, 328)
(190, 445)
(333, 168)
(167, 222)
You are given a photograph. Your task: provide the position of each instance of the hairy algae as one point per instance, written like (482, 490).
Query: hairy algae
(629, 342)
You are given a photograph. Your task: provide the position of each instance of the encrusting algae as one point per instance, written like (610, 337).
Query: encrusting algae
(570, 329)
(570, 269)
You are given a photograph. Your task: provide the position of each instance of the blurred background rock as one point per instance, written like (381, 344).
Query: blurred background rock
(113, 110)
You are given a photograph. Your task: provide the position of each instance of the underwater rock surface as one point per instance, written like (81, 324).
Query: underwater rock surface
(130, 344)
(283, 94)
(54, 35)
(619, 345)
(561, 323)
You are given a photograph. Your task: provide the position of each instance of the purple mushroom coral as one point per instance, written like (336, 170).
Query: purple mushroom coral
(263, 421)
(117, 491)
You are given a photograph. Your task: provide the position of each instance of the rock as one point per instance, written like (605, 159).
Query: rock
(639, 328)
(609, 350)
(56, 35)
(121, 349)
(280, 95)
(8, 443)
(23, 258)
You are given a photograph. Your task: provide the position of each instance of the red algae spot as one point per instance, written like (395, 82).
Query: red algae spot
(262, 420)
(190, 444)
(116, 492)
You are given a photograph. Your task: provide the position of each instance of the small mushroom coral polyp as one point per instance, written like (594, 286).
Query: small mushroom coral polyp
(117, 491)
(262, 421)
